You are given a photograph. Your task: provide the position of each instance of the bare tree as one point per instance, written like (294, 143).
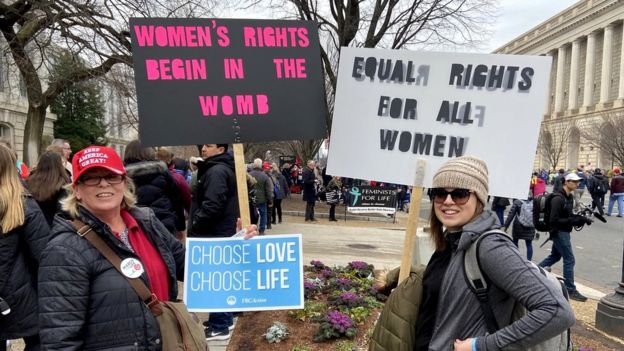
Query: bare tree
(554, 148)
(389, 24)
(97, 30)
(607, 134)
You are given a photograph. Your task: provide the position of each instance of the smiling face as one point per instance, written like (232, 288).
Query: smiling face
(102, 199)
(452, 215)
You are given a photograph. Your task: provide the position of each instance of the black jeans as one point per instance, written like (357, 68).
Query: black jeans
(277, 208)
(332, 211)
(598, 201)
(309, 214)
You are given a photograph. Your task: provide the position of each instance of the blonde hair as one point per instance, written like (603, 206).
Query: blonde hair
(11, 192)
(70, 203)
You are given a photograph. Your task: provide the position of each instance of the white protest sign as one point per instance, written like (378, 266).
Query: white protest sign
(394, 107)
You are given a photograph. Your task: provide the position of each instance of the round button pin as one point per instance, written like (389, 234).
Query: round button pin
(131, 268)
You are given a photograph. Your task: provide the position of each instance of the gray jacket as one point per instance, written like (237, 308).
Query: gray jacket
(513, 279)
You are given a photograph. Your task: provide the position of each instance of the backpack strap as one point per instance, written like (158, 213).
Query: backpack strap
(477, 282)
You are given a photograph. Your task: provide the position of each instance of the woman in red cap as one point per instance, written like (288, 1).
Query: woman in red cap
(84, 302)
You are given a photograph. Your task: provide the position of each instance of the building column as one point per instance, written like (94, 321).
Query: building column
(590, 61)
(607, 59)
(576, 55)
(620, 101)
(561, 52)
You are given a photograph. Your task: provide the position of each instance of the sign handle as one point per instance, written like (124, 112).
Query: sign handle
(241, 184)
(412, 220)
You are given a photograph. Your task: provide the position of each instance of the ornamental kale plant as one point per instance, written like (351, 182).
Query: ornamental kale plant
(317, 265)
(347, 300)
(362, 269)
(335, 325)
(276, 333)
(328, 273)
(341, 284)
(311, 287)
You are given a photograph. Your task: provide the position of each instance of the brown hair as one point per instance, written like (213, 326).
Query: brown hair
(48, 177)
(437, 229)
(11, 192)
(135, 153)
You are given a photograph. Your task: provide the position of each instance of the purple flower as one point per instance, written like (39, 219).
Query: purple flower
(343, 281)
(349, 296)
(339, 321)
(327, 273)
(308, 285)
(358, 265)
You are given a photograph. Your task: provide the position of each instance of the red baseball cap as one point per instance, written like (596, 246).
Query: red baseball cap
(266, 166)
(96, 156)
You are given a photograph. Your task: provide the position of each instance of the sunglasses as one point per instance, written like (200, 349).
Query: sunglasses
(96, 180)
(459, 196)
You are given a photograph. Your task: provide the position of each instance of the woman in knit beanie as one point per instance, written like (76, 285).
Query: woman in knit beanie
(450, 316)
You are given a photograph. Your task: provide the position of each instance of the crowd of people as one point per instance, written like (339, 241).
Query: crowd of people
(63, 294)
(57, 290)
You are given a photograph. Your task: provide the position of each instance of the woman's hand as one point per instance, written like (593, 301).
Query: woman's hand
(251, 230)
(463, 345)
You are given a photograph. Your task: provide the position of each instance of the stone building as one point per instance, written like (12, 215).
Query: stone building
(14, 106)
(587, 78)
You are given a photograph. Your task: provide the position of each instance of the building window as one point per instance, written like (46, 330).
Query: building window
(5, 133)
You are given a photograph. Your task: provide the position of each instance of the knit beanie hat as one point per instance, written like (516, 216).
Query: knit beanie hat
(465, 172)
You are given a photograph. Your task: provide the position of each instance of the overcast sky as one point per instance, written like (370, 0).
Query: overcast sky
(518, 16)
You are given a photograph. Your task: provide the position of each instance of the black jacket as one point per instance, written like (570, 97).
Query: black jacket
(214, 208)
(518, 231)
(20, 251)
(561, 214)
(309, 188)
(595, 180)
(85, 303)
(156, 189)
(52, 206)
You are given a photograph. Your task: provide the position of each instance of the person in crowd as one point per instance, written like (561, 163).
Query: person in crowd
(165, 155)
(562, 219)
(334, 185)
(499, 204)
(22, 169)
(449, 316)
(521, 231)
(213, 215)
(287, 173)
(309, 190)
(64, 145)
(24, 234)
(283, 190)
(155, 188)
(46, 184)
(538, 186)
(264, 193)
(559, 180)
(266, 168)
(193, 160)
(598, 185)
(84, 302)
(616, 192)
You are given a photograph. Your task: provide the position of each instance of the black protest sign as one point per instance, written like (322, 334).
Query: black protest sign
(371, 199)
(227, 80)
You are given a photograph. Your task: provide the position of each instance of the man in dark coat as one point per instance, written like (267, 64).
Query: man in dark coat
(598, 186)
(559, 180)
(309, 190)
(214, 212)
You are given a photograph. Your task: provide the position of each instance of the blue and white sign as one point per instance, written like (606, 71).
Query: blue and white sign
(233, 274)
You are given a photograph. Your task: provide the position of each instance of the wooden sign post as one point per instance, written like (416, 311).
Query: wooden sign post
(412, 221)
(241, 184)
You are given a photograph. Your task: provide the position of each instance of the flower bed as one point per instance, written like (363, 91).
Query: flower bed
(341, 306)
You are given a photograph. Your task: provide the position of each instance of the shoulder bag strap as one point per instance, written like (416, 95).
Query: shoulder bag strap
(477, 281)
(137, 284)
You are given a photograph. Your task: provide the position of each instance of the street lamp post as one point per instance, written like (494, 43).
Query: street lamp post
(610, 312)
